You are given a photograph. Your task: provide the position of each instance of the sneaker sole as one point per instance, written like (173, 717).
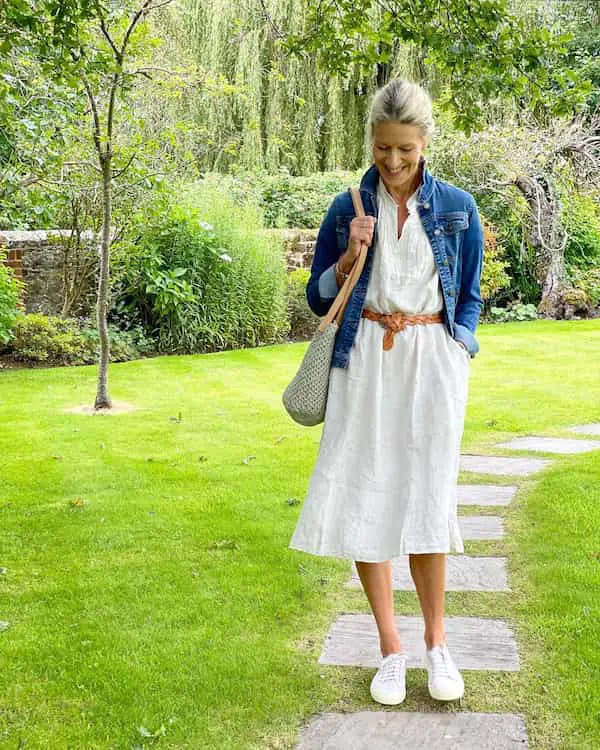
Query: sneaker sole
(446, 696)
(388, 702)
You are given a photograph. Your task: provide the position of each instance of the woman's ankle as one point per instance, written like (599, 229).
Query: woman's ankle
(391, 646)
(435, 640)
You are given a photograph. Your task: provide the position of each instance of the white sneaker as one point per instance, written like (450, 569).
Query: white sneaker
(445, 682)
(389, 684)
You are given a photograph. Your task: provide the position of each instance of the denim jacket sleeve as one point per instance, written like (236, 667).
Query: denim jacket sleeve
(322, 287)
(469, 303)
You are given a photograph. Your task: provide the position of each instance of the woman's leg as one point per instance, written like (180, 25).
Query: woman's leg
(376, 579)
(429, 574)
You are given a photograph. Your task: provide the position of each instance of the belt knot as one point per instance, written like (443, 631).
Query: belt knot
(398, 321)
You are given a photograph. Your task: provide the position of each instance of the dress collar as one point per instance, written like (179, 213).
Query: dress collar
(411, 201)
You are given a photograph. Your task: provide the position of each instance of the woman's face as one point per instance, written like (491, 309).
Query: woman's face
(397, 148)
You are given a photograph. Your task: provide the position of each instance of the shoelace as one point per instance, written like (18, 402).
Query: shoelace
(442, 662)
(392, 668)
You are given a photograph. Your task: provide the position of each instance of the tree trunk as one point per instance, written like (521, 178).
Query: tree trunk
(102, 397)
(547, 237)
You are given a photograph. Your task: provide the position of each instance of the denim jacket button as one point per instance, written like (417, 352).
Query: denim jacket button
(437, 231)
(445, 261)
(426, 205)
(451, 292)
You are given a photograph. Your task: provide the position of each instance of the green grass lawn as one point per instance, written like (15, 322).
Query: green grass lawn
(152, 600)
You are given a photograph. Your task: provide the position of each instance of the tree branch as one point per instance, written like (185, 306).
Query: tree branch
(96, 127)
(119, 172)
(109, 40)
(133, 23)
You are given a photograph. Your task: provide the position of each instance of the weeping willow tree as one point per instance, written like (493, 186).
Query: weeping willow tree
(285, 111)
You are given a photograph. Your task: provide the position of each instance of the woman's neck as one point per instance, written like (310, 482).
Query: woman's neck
(402, 194)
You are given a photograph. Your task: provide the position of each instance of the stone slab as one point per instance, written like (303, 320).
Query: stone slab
(502, 464)
(411, 730)
(593, 428)
(485, 494)
(481, 527)
(475, 643)
(463, 573)
(551, 444)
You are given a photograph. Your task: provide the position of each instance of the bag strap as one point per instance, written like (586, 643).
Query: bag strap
(336, 311)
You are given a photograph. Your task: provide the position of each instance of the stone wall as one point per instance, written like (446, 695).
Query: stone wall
(298, 246)
(37, 258)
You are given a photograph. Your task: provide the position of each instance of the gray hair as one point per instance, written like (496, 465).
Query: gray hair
(401, 101)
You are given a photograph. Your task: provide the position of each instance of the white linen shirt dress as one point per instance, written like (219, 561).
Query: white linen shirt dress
(384, 482)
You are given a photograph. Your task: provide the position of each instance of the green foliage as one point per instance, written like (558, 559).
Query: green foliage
(285, 200)
(513, 311)
(493, 275)
(199, 272)
(37, 101)
(484, 158)
(51, 340)
(124, 344)
(303, 322)
(10, 290)
(581, 219)
(581, 18)
(482, 49)
(588, 281)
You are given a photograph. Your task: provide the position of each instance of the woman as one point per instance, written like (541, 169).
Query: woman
(384, 483)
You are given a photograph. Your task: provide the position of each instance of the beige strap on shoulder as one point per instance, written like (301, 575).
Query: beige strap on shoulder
(336, 311)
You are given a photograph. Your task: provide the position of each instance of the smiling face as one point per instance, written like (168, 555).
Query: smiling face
(397, 149)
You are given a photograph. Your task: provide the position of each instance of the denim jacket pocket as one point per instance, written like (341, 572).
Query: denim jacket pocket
(452, 222)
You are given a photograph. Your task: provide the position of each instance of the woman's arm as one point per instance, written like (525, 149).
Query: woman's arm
(322, 287)
(468, 306)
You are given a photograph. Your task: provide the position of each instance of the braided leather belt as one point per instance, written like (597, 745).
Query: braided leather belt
(398, 321)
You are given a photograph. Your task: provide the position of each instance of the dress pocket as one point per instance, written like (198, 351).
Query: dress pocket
(462, 349)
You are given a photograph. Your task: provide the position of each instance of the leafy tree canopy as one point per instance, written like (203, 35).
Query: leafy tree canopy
(483, 48)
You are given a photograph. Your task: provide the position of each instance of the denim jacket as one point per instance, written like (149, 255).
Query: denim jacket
(451, 221)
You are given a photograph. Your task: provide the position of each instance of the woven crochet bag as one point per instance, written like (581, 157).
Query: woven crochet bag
(305, 398)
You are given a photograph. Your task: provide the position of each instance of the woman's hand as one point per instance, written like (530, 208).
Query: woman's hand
(361, 230)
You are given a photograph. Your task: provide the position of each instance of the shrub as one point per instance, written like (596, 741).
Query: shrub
(49, 339)
(581, 219)
(124, 344)
(200, 273)
(10, 290)
(287, 201)
(588, 280)
(493, 274)
(303, 321)
(513, 311)
(42, 339)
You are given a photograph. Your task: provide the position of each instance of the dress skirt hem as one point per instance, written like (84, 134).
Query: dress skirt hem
(455, 545)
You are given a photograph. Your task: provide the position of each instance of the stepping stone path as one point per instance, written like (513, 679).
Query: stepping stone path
(586, 429)
(502, 465)
(481, 527)
(485, 494)
(551, 445)
(387, 730)
(477, 643)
